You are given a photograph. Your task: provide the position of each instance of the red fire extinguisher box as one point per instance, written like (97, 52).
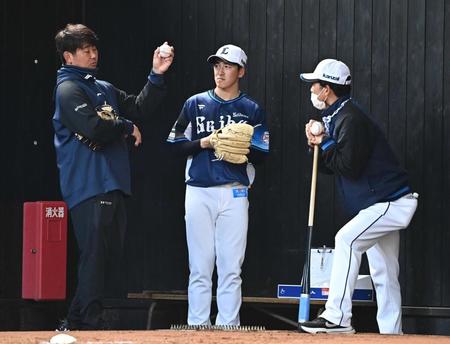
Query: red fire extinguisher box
(44, 255)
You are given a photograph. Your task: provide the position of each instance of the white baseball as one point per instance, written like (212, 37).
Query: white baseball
(62, 338)
(165, 50)
(316, 128)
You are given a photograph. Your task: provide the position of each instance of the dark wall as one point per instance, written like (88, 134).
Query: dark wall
(27, 68)
(397, 50)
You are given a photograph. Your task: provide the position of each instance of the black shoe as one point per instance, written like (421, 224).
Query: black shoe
(321, 325)
(64, 325)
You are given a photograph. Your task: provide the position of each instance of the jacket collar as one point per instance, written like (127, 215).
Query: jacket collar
(328, 114)
(69, 72)
(328, 111)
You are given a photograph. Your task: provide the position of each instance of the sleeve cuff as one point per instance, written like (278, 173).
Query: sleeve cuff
(156, 79)
(129, 126)
(327, 143)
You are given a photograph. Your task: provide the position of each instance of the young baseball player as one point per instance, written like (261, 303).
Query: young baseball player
(375, 191)
(216, 201)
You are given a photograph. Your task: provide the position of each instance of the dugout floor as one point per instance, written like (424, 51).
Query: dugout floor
(219, 337)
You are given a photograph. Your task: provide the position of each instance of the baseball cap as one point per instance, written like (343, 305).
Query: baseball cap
(329, 70)
(230, 53)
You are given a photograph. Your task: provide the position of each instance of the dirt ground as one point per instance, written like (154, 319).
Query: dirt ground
(219, 337)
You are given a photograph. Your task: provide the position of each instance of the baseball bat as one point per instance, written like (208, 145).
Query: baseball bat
(303, 309)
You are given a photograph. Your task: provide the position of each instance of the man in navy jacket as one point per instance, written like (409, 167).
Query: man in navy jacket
(92, 158)
(375, 191)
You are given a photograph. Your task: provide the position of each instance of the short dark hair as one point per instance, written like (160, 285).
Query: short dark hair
(339, 90)
(215, 60)
(73, 37)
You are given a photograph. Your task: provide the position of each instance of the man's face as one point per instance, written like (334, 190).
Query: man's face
(85, 57)
(226, 74)
(320, 91)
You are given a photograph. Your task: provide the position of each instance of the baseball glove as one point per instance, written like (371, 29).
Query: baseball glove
(105, 112)
(232, 142)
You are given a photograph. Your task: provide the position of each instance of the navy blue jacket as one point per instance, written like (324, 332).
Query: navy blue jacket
(358, 154)
(84, 172)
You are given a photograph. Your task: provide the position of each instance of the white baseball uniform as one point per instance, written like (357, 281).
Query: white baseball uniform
(216, 203)
(375, 230)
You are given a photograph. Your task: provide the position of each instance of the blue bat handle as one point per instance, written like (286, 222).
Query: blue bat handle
(303, 309)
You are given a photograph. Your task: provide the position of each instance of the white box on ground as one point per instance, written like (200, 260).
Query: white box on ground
(320, 272)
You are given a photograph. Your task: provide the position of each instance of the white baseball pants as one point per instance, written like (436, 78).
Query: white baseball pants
(375, 230)
(216, 231)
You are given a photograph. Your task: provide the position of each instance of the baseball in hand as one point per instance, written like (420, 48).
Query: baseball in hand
(316, 128)
(165, 50)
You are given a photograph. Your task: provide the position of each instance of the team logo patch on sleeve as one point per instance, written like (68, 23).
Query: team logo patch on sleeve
(240, 192)
(260, 139)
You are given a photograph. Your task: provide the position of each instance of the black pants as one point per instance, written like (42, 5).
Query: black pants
(99, 224)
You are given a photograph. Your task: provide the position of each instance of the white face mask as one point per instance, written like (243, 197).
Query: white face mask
(318, 104)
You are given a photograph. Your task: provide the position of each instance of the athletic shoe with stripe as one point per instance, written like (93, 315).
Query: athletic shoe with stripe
(321, 325)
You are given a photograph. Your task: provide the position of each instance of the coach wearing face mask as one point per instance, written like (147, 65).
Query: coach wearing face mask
(375, 192)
